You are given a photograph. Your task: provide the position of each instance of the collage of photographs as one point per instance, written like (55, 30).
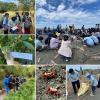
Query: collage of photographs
(49, 49)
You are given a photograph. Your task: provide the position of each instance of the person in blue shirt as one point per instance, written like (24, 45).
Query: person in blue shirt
(93, 82)
(74, 77)
(38, 43)
(7, 83)
(5, 23)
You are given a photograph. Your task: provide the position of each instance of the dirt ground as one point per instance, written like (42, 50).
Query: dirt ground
(42, 83)
(2, 96)
(87, 96)
(81, 55)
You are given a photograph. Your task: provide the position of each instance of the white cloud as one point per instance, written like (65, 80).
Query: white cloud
(41, 2)
(51, 7)
(61, 7)
(69, 15)
(86, 1)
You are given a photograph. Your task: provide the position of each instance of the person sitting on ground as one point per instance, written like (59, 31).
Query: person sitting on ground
(95, 39)
(65, 49)
(5, 23)
(13, 25)
(74, 77)
(93, 82)
(88, 41)
(39, 44)
(54, 42)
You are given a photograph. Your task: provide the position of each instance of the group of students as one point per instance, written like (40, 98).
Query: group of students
(74, 78)
(54, 42)
(18, 24)
(13, 82)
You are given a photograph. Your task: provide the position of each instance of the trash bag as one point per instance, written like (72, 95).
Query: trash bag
(83, 89)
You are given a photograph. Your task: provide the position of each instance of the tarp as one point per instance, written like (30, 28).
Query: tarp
(19, 55)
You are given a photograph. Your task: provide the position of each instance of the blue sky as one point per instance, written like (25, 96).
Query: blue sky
(83, 67)
(15, 1)
(67, 12)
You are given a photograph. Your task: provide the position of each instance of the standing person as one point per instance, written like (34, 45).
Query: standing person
(18, 18)
(83, 28)
(27, 23)
(22, 22)
(5, 23)
(49, 36)
(7, 84)
(12, 83)
(74, 77)
(65, 49)
(93, 82)
(17, 83)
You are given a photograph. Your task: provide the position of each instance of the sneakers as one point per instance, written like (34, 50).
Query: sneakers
(92, 94)
(67, 60)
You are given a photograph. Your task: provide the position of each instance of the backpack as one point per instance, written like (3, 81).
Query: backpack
(27, 23)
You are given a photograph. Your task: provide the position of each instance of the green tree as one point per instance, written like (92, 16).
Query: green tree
(27, 4)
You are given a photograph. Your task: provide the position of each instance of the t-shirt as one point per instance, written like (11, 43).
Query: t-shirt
(93, 80)
(38, 43)
(12, 24)
(88, 41)
(74, 77)
(95, 39)
(5, 23)
(54, 43)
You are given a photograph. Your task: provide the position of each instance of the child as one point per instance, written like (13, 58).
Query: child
(93, 82)
(65, 49)
(74, 78)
